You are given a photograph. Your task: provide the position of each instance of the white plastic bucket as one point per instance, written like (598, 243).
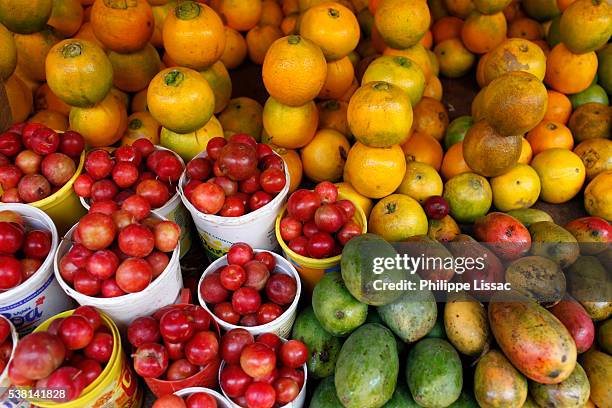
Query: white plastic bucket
(282, 325)
(10, 399)
(255, 228)
(163, 291)
(222, 402)
(40, 297)
(298, 402)
(172, 210)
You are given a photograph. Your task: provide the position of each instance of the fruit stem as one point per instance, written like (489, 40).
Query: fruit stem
(390, 208)
(333, 13)
(403, 61)
(135, 124)
(174, 78)
(72, 50)
(294, 39)
(381, 86)
(187, 10)
(117, 4)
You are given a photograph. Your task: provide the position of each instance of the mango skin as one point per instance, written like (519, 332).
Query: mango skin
(497, 384)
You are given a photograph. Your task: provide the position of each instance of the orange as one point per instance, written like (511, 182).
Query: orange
(375, 172)
(32, 49)
(347, 191)
(586, 25)
(420, 182)
(513, 11)
(543, 46)
(433, 88)
(515, 54)
(416, 53)
(324, 156)
(66, 16)
(526, 28)
(437, 8)
(397, 217)
(8, 57)
(516, 189)
(141, 125)
(373, 5)
(481, 32)
(598, 197)
(51, 119)
(459, 8)
(243, 115)
(307, 4)
(235, 49)
(180, 99)
(219, 80)
(435, 64)
(188, 145)
(548, 135)
(133, 72)
(349, 93)
(453, 162)
(289, 24)
(402, 23)
(271, 13)
(159, 15)
(427, 40)
(332, 27)
(570, 73)
(86, 33)
(288, 59)
(380, 115)
(561, 172)
(399, 71)
(123, 96)
(425, 149)
(332, 115)
(340, 74)
(19, 98)
(446, 28)
(194, 35)
(79, 72)
(526, 152)
(290, 6)
(239, 14)
(45, 99)
(477, 108)
(259, 39)
(102, 124)
(559, 107)
(596, 154)
(294, 166)
(455, 60)
(25, 17)
(139, 101)
(377, 42)
(487, 152)
(290, 127)
(480, 78)
(491, 6)
(430, 118)
(123, 26)
(563, 4)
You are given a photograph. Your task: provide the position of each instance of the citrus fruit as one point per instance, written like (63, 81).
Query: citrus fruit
(553, 34)
(593, 93)
(570, 73)
(526, 28)
(340, 75)
(548, 135)
(271, 13)
(487, 152)
(235, 50)
(66, 16)
(526, 152)
(604, 70)
(189, 145)
(332, 115)
(456, 130)
(515, 54)
(596, 154)
(375, 172)
(559, 107)
(561, 174)
(323, 158)
(51, 119)
(243, 115)
(290, 58)
(598, 196)
(586, 25)
(239, 14)
(294, 166)
(453, 162)
(290, 127)
(78, 72)
(541, 10)
(8, 58)
(459, 8)
(416, 53)
(420, 182)
(219, 80)
(397, 217)
(433, 88)
(518, 188)
(19, 98)
(591, 120)
(347, 191)
(133, 72)
(422, 148)
(32, 49)
(399, 71)
(25, 17)
(514, 103)
(491, 6)
(446, 28)
(159, 15)
(455, 60)
(401, 23)
(44, 98)
(469, 197)
(86, 33)
(259, 39)
(481, 33)
(122, 26)
(331, 26)
(102, 124)
(141, 125)
(180, 99)
(193, 35)
(430, 118)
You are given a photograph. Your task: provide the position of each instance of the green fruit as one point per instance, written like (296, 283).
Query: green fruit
(586, 25)
(367, 368)
(325, 395)
(604, 70)
(456, 130)
(554, 33)
(335, 308)
(554, 242)
(594, 94)
(573, 392)
(359, 270)
(469, 196)
(437, 331)
(434, 373)
(528, 216)
(401, 398)
(322, 346)
(604, 336)
(466, 400)
(541, 10)
(590, 284)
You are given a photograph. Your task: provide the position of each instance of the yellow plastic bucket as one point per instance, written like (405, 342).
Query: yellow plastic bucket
(64, 206)
(116, 386)
(311, 270)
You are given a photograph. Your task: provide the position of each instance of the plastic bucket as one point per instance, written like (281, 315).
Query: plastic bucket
(206, 377)
(222, 402)
(219, 233)
(172, 210)
(116, 386)
(311, 270)
(64, 206)
(9, 398)
(40, 297)
(282, 325)
(298, 402)
(161, 292)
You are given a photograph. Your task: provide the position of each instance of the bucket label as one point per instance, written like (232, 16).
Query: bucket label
(180, 216)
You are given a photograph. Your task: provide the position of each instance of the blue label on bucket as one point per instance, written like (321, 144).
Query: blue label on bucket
(26, 319)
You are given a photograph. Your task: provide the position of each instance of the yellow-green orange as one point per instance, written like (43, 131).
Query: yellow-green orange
(8, 58)
(420, 182)
(516, 189)
(514, 54)
(402, 23)
(189, 145)
(399, 71)
(561, 172)
(25, 17)
(455, 60)
(586, 25)
(133, 72)
(290, 127)
(219, 80)
(469, 196)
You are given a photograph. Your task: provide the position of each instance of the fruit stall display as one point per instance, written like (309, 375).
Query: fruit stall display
(198, 195)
